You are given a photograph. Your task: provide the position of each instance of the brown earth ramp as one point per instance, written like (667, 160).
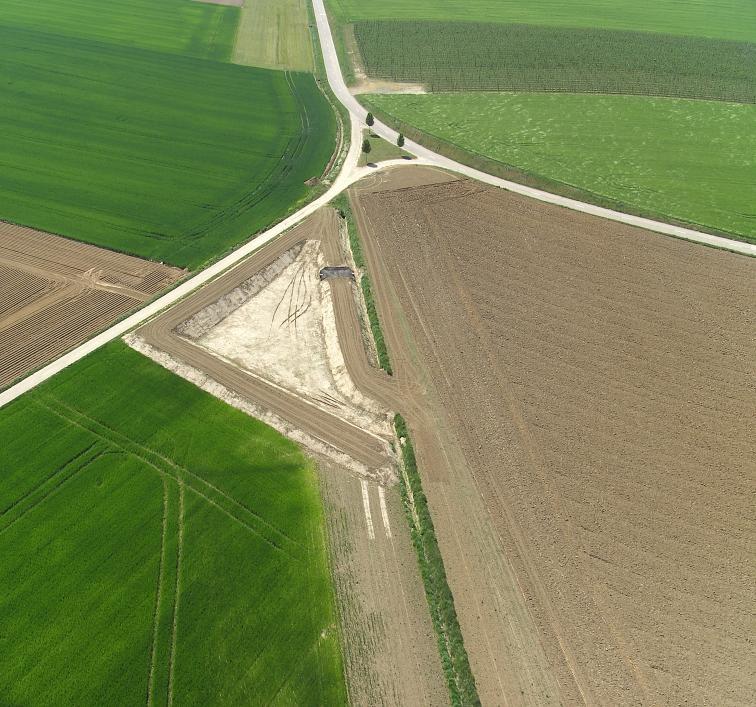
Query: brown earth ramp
(584, 437)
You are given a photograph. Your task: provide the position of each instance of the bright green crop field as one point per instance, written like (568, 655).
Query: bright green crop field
(690, 160)
(721, 19)
(158, 545)
(177, 26)
(123, 125)
(168, 157)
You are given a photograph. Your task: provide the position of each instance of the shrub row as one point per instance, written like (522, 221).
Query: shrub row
(456, 665)
(341, 202)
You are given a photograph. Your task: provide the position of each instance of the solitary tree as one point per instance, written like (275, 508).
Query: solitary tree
(369, 119)
(400, 140)
(366, 146)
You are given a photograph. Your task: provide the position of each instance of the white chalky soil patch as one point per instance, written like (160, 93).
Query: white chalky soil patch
(286, 333)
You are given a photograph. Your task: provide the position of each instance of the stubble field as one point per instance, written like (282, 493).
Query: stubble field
(595, 381)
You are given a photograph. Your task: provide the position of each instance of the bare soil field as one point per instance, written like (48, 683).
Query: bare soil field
(390, 649)
(55, 292)
(581, 397)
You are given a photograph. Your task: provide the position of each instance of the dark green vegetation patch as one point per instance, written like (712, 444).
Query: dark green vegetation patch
(341, 202)
(156, 542)
(167, 157)
(451, 646)
(468, 56)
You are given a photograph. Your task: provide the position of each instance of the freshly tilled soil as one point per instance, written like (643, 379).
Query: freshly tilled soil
(581, 394)
(55, 293)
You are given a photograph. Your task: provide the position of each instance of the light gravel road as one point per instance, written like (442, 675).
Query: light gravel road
(339, 87)
(349, 174)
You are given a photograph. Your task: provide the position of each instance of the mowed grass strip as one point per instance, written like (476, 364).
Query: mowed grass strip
(167, 157)
(274, 34)
(175, 26)
(459, 56)
(156, 542)
(698, 18)
(688, 160)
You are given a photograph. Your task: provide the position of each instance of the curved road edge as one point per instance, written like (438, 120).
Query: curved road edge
(348, 175)
(339, 88)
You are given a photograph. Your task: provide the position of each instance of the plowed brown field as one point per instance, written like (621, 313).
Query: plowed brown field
(584, 426)
(54, 293)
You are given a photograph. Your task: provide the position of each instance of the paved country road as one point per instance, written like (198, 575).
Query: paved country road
(349, 174)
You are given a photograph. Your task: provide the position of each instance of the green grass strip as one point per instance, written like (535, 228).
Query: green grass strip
(341, 202)
(459, 677)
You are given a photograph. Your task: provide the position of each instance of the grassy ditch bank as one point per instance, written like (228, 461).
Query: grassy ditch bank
(459, 677)
(341, 202)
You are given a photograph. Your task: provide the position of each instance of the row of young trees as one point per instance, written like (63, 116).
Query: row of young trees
(366, 147)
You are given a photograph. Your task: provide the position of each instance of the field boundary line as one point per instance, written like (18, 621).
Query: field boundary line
(176, 593)
(158, 593)
(57, 487)
(366, 505)
(48, 478)
(173, 470)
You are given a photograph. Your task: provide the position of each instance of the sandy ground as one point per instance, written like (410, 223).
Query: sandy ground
(212, 332)
(367, 85)
(286, 333)
(581, 395)
(55, 293)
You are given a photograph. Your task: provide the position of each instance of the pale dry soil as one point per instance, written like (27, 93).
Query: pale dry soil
(390, 649)
(55, 293)
(581, 395)
(286, 333)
